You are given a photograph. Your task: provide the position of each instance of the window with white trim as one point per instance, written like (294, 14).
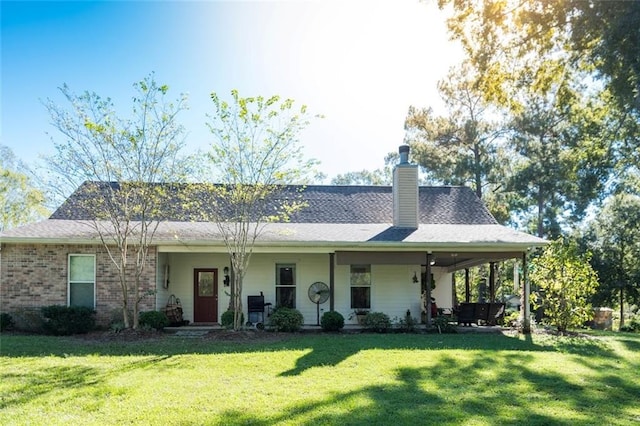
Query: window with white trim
(360, 286)
(286, 285)
(82, 280)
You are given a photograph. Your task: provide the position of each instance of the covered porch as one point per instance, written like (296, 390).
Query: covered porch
(401, 280)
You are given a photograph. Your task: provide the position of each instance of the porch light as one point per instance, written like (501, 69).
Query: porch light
(415, 277)
(225, 271)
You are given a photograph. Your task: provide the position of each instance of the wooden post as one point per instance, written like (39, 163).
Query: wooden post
(454, 296)
(492, 282)
(429, 285)
(332, 277)
(467, 286)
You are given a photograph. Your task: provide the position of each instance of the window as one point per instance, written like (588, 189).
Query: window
(286, 285)
(82, 280)
(360, 286)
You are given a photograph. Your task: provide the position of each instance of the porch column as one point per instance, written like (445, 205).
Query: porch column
(332, 274)
(492, 282)
(524, 298)
(429, 285)
(467, 286)
(454, 295)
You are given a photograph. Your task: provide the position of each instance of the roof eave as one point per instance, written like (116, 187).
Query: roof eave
(374, 246)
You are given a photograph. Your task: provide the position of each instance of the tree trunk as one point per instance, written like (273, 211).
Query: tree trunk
(237, 302)
(540, 214)
(125, 315)
(621, 308)
(125, 302)
(477, 172)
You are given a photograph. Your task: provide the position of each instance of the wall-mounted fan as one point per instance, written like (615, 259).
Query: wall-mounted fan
(318, 294)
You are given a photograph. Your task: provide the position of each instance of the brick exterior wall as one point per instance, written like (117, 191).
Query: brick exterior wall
(35, 275)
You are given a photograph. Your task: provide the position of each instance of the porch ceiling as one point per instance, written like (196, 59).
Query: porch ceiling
(451, 260)
(454, 261)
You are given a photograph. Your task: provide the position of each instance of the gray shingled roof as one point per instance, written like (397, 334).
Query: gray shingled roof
(330, 204)
(336, 216)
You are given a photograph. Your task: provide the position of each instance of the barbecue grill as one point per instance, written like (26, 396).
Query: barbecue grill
(255, 308)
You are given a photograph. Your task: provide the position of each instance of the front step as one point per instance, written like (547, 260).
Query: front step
(191, 333)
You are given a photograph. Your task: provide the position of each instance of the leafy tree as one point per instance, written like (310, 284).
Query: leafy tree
(461, 147)
(566, 283)
(364, 177)
(119, 163)
(466, 146)
(615, 240)
(383, 176)
(540, 39)
(626, 148)
(563, 158)
(255, 155)
(604, 34)
(20, 201)
(536, 46)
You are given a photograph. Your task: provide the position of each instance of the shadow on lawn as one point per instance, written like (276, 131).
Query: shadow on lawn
(632, 345)
(332, 353)
(499, 382)
(52, 379)
(62, 377)
(456, 391)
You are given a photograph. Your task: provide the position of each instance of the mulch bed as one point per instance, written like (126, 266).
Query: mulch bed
(131, 335)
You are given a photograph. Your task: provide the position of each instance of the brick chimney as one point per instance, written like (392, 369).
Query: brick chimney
(405, 191)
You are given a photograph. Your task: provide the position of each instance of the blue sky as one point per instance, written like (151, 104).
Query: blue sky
(359, 63)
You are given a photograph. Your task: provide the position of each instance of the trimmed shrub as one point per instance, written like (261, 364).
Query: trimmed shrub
(332, 321)
(226, 319)
(408, 323)
(286, 319)
(6, 321)
(66, 320)
(511, 319)
(28, 319)
(441, 324)
(377, 321)
(153, 319)
(632, 325)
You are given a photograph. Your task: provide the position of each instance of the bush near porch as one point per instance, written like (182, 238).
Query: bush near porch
(320, 378)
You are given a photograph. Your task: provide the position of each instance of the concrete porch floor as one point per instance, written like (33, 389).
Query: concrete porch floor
(201, 329)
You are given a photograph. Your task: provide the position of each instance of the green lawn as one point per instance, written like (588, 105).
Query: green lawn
(312, 379)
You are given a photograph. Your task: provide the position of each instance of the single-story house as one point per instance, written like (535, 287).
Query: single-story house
(376, 248)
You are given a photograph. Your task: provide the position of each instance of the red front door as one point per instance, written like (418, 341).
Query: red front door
(205, 295)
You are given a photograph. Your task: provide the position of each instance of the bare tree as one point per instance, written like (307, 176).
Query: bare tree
(255, 156)
(120, 166)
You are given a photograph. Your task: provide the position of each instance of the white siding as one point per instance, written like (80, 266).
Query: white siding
(261, 276)
(393, 291)
(181, 280)
(405, 196)
(392, 288)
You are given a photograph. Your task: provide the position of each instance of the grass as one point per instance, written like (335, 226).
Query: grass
(304, 379)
